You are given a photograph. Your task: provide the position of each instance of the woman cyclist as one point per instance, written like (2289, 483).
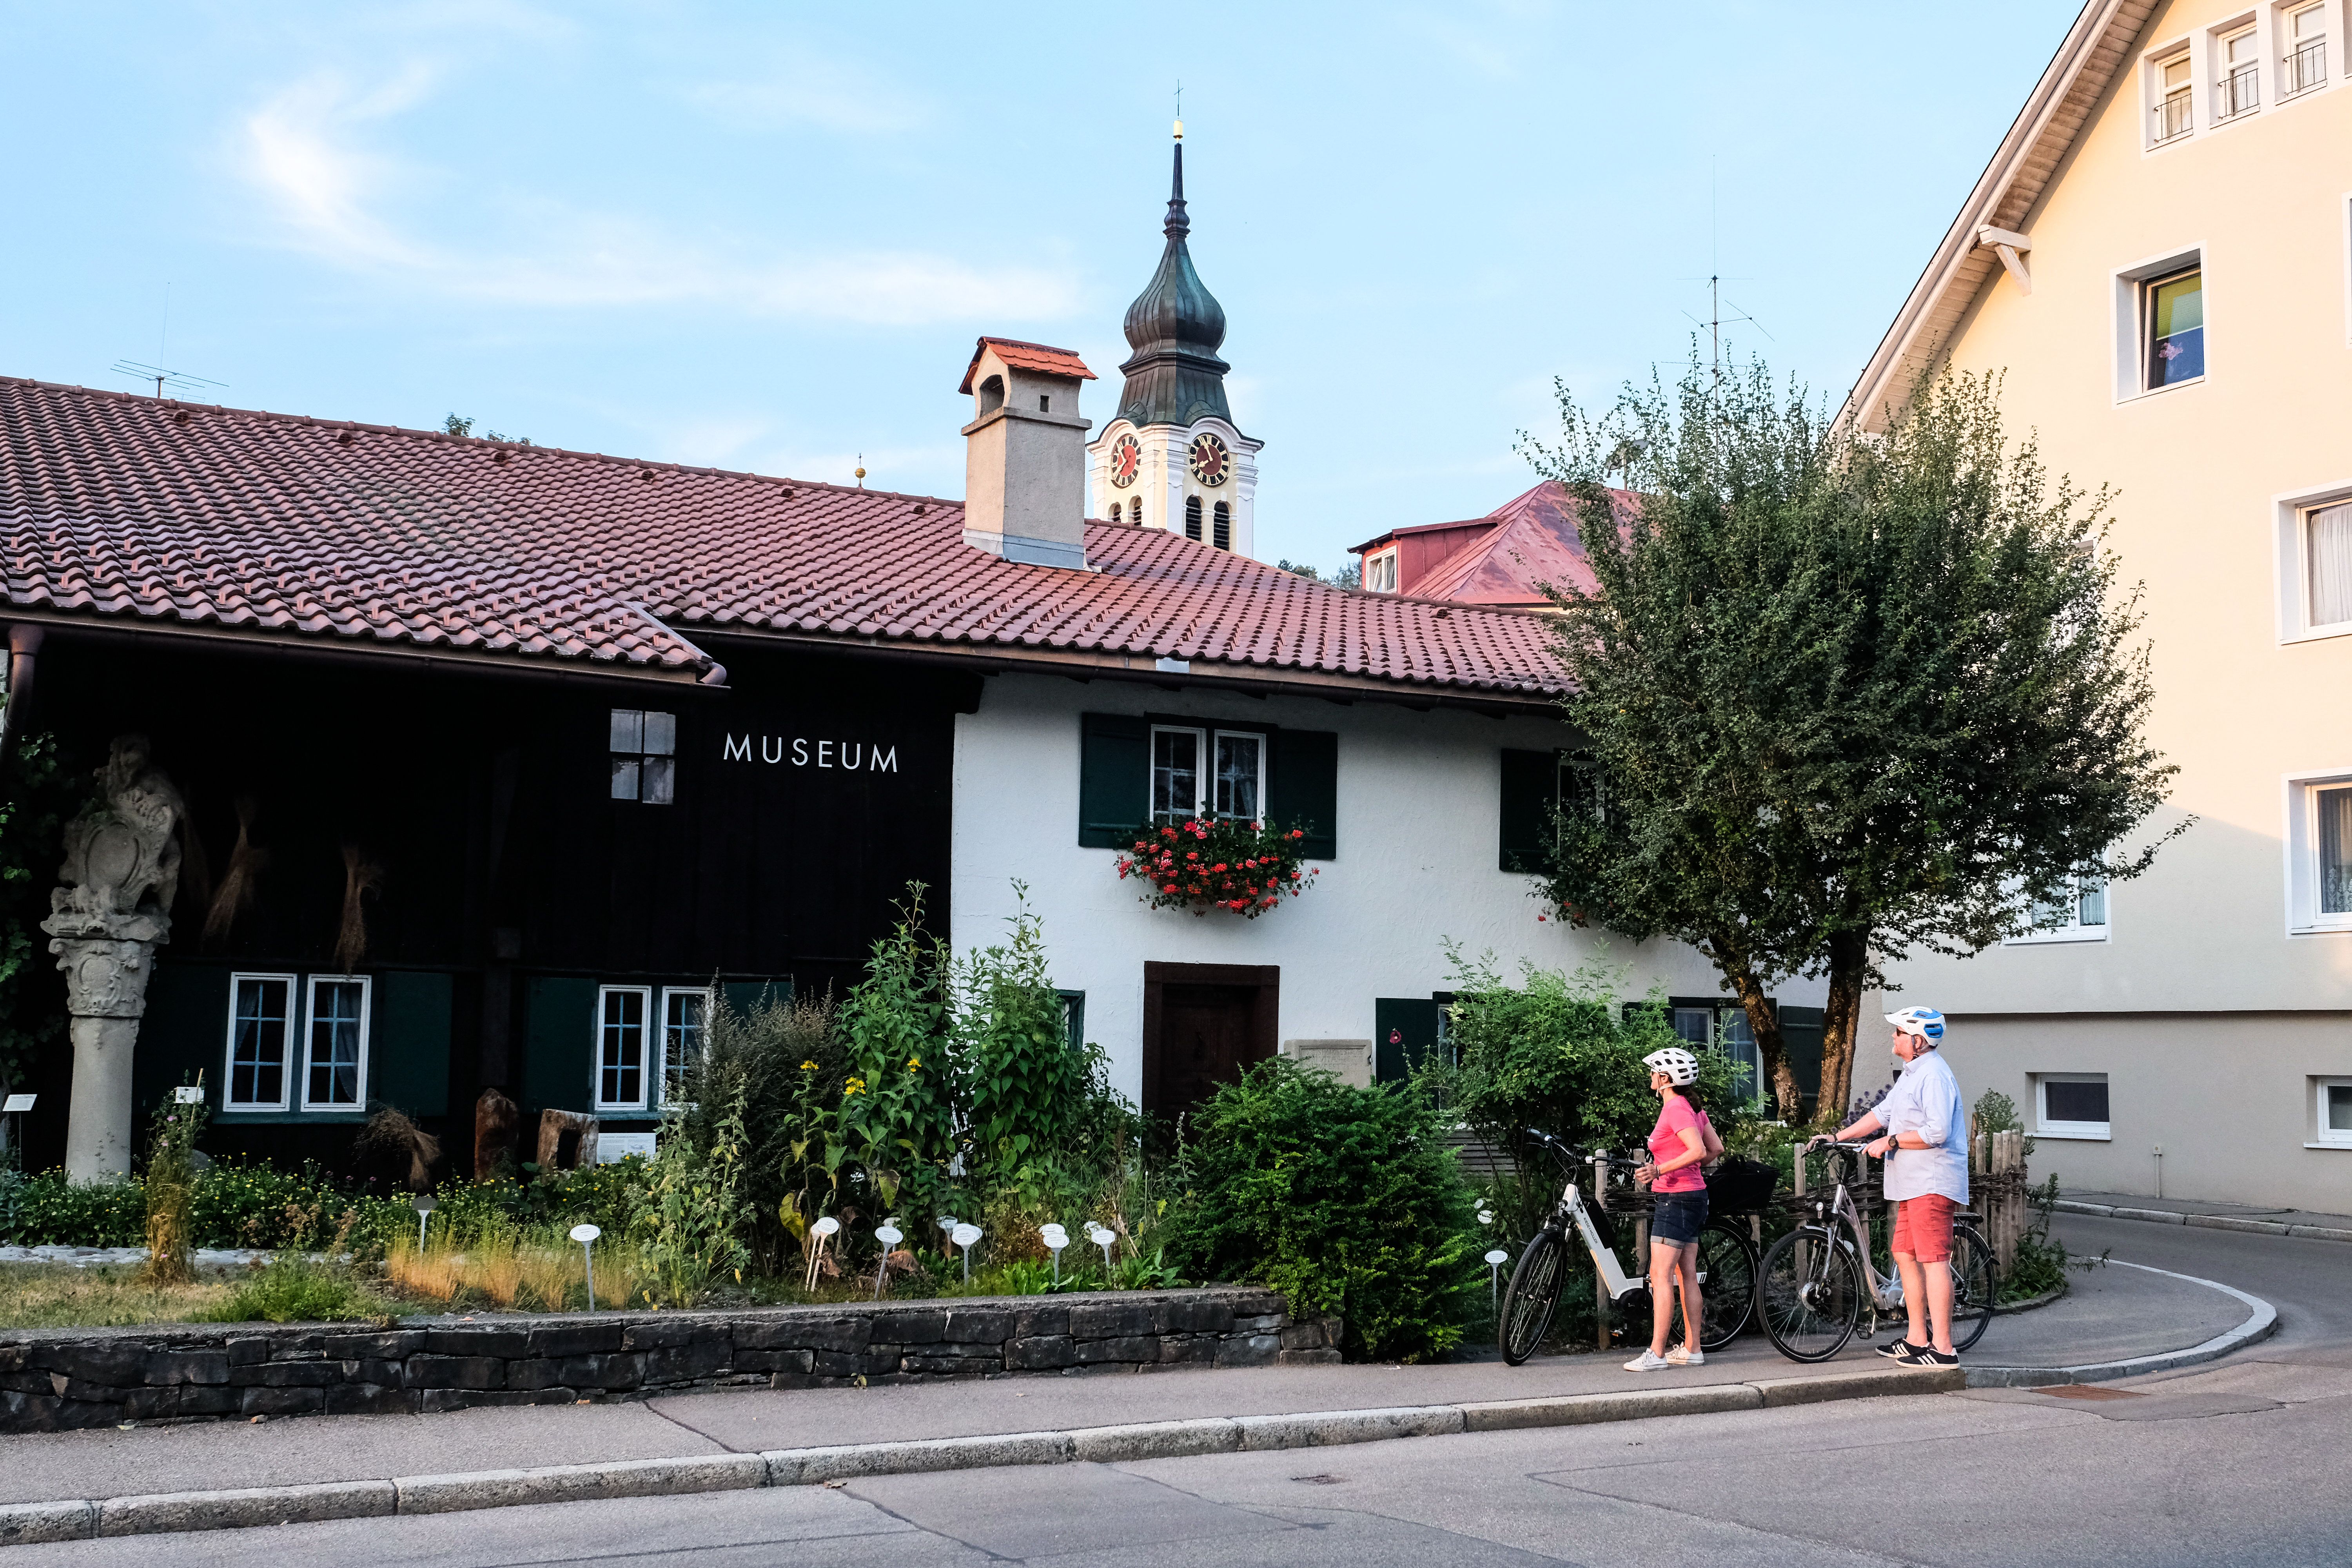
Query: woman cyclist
(1683, 1140)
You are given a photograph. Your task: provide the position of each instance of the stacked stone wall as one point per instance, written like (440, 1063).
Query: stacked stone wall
(54, 1379)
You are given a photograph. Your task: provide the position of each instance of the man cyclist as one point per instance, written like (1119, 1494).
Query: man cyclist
(1924, 1144)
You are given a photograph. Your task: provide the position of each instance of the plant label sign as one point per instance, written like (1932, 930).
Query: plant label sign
(612, 1148)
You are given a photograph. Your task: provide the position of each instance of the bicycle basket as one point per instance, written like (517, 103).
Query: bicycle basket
(1739, 1185)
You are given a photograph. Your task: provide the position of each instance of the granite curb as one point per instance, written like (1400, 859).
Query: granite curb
(2261, 1322)
(81, 1520)
(2205, 1221)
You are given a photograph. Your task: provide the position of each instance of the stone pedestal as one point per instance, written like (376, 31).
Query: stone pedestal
(106, 992)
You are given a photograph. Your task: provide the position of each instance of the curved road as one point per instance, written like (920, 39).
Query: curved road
(2245, 1461)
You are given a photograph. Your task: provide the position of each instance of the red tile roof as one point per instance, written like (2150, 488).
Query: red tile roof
(1529, 541)
(1028, 356)
(131, 508)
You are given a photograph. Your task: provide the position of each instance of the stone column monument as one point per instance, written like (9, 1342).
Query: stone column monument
(109, 914)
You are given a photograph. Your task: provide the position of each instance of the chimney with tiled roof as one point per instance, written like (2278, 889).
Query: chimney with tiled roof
(1025, 495)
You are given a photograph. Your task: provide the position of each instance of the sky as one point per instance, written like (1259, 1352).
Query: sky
(764, 237)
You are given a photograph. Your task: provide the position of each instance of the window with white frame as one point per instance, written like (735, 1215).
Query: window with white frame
(645, 757)
(2175, 92)
(260, 1029)
(2323, 548)
(335, 1042)
(621, 1030)
(686, 1014)
(2332, 1112)
(2302, 62)
(2077, 911)
(2238, 75)
(1207, 773)
(1381, 572)
(2070, 1105)
(2319, 853)
(2173, 309)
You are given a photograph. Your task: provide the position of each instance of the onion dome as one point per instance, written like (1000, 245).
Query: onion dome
(1175, 327)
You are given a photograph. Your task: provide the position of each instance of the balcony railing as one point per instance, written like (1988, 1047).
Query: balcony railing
(2240, 93)
(2172, 117)
(2304, 69)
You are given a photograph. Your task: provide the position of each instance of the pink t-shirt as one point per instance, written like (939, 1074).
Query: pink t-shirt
(1666, 1143)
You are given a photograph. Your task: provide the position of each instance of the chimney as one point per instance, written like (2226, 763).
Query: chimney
(1024, 488)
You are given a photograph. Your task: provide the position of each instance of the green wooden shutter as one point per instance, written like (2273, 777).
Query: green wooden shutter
(408, 1057)
(1305, 789)
(1530, 786)
(1405, 1031)
(1114, 779)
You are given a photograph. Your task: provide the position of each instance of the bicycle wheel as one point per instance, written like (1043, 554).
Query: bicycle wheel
(1533, 1293)
(1975, 1284)
(1810, 1295)
(1727, 1266)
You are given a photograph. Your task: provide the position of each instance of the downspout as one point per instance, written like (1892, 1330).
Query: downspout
(23, 647)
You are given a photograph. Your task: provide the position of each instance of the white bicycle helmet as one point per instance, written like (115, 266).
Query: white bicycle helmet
(1922, 1021)
(1679, 1065)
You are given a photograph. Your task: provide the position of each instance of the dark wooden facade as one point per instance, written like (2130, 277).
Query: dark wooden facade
(513, 884)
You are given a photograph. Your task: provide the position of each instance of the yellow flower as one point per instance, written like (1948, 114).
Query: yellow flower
(914, 1061)
(854, 1085)
(808, 1067)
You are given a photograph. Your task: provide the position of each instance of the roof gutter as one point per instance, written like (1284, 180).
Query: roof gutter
(1878, 387)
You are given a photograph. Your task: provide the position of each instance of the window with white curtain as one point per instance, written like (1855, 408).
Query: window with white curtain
(2328, 565)
(2319, 853)
(2075, 911)
(2334, 845)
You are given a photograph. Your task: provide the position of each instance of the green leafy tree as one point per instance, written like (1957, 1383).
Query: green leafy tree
(1841, 694)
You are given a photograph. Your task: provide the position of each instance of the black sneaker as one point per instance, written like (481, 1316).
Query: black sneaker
(1898, 1351)
(1922, 1356)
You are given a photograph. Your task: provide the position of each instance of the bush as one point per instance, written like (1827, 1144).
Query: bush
(1345, 1200)
(292, 1289)
(52, 1212)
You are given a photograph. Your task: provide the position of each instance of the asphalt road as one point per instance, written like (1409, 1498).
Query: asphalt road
(2240, 1462)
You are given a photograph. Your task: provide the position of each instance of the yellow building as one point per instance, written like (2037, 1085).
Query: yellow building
(2159, 260)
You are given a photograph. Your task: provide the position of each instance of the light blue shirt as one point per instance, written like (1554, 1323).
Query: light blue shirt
(1925, 1100)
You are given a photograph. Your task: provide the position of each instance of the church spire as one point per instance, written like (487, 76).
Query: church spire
(1175, 327)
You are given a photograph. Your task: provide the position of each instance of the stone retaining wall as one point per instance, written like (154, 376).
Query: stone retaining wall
(52, 1379)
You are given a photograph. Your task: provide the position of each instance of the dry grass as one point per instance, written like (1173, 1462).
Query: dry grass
(514, 1275)
(57, 1296)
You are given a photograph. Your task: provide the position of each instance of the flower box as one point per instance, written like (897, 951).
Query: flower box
(1207, 863)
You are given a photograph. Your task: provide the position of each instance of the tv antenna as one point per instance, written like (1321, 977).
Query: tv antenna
(1715, 281)
(178, 381)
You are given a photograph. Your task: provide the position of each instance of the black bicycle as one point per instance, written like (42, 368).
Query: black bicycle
(1818, 1276)
(1727, 1271)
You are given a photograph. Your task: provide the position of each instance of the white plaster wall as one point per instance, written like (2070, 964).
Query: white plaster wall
(1418, 824)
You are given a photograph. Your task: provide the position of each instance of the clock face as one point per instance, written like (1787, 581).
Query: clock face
(1125, 454)
(1210, 463)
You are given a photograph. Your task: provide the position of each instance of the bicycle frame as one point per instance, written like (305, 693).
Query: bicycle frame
(1605, 1258)
(1885, 1289)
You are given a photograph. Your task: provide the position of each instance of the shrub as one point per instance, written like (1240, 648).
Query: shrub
(293, 1289)
(170, 1191)
(1345, 1200)
(53, 1212)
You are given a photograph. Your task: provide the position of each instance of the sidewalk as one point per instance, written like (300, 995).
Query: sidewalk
(2111, 1314)
(2309, 1224)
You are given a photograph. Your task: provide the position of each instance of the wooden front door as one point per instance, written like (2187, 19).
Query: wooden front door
(1203, 1023)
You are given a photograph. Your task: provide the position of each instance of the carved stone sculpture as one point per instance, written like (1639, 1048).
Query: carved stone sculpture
(109, 914)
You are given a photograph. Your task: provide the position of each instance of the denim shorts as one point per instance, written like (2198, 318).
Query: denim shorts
(1678, 1217)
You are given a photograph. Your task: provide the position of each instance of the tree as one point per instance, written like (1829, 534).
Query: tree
(1840, 694)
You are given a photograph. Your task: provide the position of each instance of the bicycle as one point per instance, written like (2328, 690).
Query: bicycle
(1811, 1290)
(1725, 1256)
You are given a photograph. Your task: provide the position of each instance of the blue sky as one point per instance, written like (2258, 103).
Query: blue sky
(764, 236)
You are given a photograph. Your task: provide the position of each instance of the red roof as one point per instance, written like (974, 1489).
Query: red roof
(1028, 356)
(124, 507)
(1502, 559)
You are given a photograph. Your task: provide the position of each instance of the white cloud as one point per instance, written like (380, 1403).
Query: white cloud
(309, 150)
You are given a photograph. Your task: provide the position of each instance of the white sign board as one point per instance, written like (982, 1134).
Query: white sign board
(18, 1103)
(188, 1094)
(612, 1148)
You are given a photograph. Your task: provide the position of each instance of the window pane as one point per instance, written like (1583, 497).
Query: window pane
(334, 1073)
(621, 1067)
(2327, 552)
(682, 1019)
(2241, 49)
(2310, 23)
(661, 734)
(256, 1074)
(1175, 772)
(1695, 1025)
(1237, 771)
(2176, 329)
(628, 730)
(2091, 902)
(2339, 1107)
(2335, 852)
(659, 784)
(2074, 1101)
(2176, 73)
(625, 778)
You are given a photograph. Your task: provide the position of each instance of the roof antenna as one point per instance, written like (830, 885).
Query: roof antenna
(861, 470)
(1714, 300)
(178, 381)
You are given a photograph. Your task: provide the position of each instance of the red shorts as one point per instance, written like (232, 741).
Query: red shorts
(1923, 1229)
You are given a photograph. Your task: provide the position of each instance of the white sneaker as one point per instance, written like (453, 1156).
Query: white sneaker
(1645, 1361)
(1683, 1355)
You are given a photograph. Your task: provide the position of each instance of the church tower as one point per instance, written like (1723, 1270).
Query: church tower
(1171, 456)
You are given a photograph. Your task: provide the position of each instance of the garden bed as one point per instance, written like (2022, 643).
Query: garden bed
(54, 1379)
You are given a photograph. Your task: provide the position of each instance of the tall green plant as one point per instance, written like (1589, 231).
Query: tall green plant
(1026, 1083)
(694, 1216)
(171, 1189)
(899, 1097)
